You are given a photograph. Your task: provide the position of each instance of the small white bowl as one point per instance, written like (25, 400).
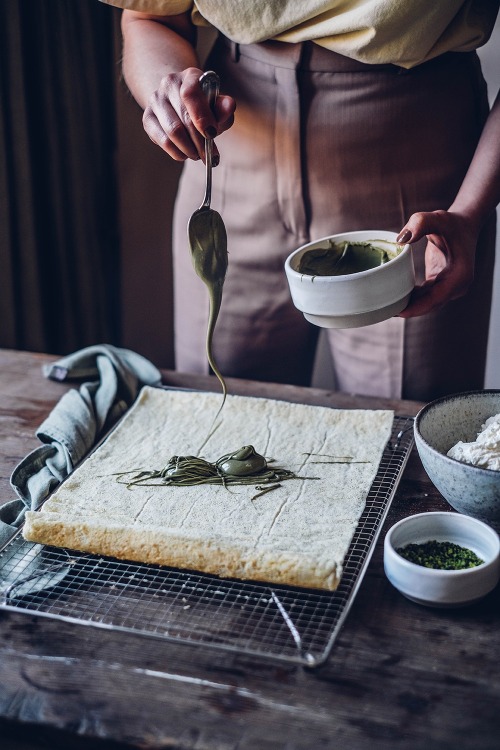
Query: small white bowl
(443, 588)
(356, 299)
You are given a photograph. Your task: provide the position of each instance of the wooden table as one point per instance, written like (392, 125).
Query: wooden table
(399, 676)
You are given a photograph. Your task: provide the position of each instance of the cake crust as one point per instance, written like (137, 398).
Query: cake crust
(296, 535)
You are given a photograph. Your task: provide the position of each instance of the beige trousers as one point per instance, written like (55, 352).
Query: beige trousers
(322, 144)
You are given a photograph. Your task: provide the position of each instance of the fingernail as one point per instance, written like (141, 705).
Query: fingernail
(404, 237)
(215, 160)
(210, 132)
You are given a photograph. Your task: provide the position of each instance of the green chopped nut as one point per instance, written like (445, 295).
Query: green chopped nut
(440, 555)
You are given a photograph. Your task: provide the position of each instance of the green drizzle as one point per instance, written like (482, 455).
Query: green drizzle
(244, 466)
(341, 258)
(440, 555)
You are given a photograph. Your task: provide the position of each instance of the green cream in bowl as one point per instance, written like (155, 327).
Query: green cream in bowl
(342, 258)
(352, 279)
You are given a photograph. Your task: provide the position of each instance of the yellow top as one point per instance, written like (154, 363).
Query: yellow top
(402, 32)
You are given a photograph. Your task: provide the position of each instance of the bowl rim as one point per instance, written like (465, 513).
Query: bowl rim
(421, 569)
(308, 278)
(441, 400)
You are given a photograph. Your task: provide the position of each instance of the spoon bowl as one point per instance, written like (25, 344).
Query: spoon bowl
(207, 237)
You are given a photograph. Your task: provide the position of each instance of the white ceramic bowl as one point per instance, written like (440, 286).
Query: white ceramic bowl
(443, 588)
(440, 425)
(357, 299)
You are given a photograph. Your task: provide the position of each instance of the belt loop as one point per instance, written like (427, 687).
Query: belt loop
(235, 51)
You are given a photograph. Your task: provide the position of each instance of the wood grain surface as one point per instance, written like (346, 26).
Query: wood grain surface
(399, 676)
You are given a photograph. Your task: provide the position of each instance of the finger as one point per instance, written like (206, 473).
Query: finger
(196, 104)
(172, 112)
(452, 283)
(157, 134)
(435, 261)
(429, 297)
(424, 299)
(422, 224)
(224, 109)
(161, 114)
(181, 131)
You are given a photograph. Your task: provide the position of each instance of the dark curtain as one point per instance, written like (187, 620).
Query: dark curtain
(59, 252)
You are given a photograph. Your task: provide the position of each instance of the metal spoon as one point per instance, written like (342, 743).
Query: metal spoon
(208, 239)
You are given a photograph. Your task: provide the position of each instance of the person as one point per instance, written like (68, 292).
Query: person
(334, 117)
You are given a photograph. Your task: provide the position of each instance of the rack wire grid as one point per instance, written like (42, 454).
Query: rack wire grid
(252, 618)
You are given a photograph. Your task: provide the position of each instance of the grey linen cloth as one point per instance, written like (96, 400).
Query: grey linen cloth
(113, 378)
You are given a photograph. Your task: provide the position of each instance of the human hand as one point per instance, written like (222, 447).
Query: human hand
(178, 117)
(449, 258)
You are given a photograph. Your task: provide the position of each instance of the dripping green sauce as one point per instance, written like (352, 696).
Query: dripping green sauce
(208, 241)
(342, 258)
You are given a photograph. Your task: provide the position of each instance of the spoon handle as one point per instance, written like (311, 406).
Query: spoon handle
(210, 85)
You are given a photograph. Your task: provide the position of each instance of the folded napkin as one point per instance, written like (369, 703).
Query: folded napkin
(113, 378)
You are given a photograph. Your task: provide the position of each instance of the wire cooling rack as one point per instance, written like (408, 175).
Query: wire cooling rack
(291, 624)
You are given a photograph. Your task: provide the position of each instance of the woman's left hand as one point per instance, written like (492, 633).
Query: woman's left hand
(449, 258)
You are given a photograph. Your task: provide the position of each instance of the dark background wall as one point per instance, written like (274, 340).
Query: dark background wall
(85, 198)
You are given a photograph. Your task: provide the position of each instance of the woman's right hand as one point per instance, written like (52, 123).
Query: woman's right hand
(178, 117)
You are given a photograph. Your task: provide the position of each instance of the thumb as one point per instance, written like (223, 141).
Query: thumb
(224, 111)
(420, 225)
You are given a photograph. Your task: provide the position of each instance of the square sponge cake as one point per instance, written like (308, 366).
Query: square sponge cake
(298, 534)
